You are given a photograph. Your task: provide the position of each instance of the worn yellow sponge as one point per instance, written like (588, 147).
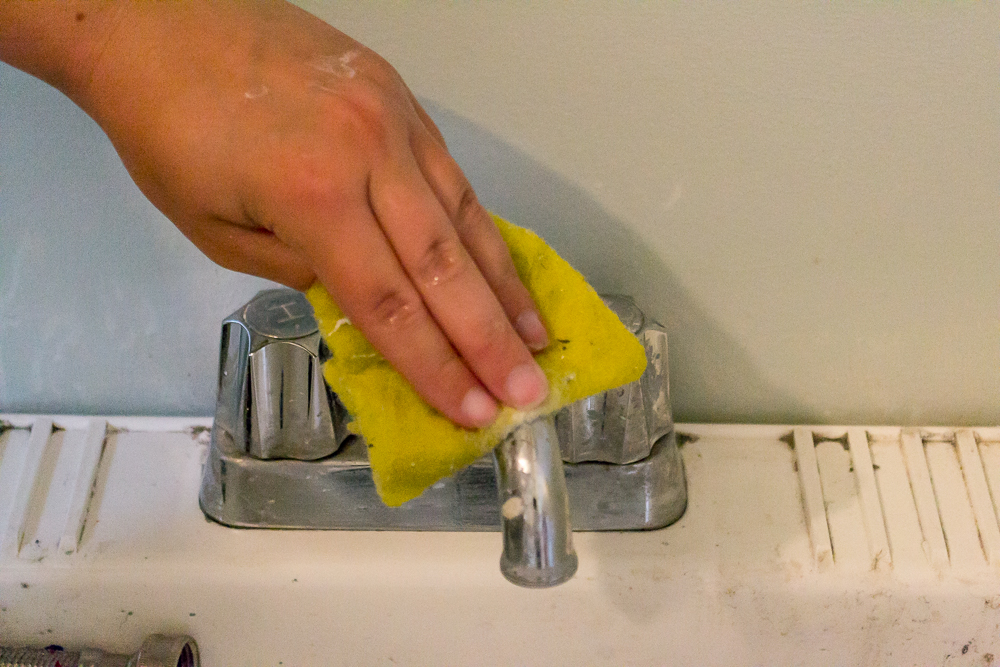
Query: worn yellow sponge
(411, 445)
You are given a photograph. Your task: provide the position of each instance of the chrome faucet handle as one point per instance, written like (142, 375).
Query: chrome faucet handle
(621, 425)
(534, 507)
(272, 398)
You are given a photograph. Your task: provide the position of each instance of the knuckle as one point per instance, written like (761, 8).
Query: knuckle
(392, 309)
(468, 210)
(364, 114)
(456, 194)
(310, 183)
(442, 261)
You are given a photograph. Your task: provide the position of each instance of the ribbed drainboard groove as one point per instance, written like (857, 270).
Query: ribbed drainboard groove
(46, 485)
(905, 499)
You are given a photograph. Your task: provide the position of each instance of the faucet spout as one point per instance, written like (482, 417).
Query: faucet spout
(534, 507)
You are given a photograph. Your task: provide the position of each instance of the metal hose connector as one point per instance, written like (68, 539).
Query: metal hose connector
(156, 651)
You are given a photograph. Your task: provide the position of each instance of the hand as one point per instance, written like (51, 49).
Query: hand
(283, 148)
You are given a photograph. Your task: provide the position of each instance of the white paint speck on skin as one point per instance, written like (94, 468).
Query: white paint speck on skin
(259, 91)
(336, 65)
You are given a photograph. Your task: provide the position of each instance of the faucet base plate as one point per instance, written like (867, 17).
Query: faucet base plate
(337, 492)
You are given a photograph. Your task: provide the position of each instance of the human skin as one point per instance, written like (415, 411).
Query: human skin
(283, 148)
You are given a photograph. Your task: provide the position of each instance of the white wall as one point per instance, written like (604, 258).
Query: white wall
(104, 306)
(806, 195)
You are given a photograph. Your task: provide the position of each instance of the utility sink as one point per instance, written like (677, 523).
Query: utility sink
(800, 545)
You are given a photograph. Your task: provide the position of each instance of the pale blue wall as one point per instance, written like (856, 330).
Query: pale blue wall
(104, 306)
(807, 196)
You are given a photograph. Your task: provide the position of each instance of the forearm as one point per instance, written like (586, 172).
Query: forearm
(58, 41)
(284, 148)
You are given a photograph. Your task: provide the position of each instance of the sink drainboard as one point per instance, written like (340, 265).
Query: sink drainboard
(809, 545)
(901, 499)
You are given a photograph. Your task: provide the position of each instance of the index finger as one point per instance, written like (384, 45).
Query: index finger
(354, 261)
(452, 286)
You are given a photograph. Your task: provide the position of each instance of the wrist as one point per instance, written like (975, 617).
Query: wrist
(60, 42)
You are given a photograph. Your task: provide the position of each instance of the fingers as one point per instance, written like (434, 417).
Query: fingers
(380, 300)
(451, 285)
(378, 296)
(429, 124)
(481, 238)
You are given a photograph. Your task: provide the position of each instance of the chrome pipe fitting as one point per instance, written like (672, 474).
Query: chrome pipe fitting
(156, 651)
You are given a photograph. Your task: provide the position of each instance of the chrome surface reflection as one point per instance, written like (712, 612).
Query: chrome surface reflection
(534, 507)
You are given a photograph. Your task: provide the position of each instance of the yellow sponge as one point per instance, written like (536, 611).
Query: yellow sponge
(411, 445)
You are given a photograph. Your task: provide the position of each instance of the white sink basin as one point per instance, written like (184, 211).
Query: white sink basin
(102, 543)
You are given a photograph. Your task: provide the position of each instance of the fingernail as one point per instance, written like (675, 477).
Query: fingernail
(529, 326)
(479, 406)
(527, 386)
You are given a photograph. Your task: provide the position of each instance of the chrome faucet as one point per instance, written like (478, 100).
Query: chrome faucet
(281, 455)
(534, 507)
